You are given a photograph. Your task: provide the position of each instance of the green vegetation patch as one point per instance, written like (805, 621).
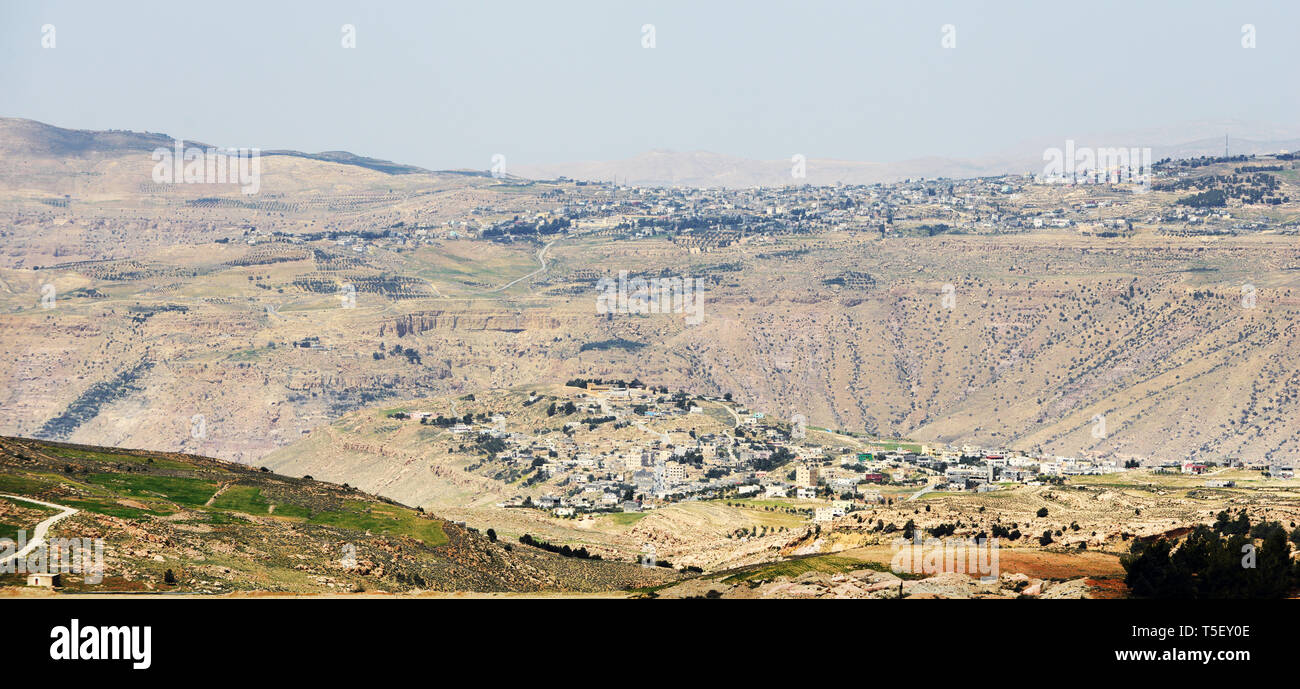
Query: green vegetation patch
(10, 530)
(246, 499)
(944, 494)
(383, 519)
(616, 343)
(249, 500)
(626, 518)
(113, 509)
(245, 355)
(831, 564)
(283, 509)
(26, 485)
(182, 491)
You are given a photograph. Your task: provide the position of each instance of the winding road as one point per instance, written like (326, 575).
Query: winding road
(733, 413)
(38, 534)
(541, 259)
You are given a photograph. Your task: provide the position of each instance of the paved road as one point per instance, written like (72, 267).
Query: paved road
(38, 534)
(733, 413)
(919, 493)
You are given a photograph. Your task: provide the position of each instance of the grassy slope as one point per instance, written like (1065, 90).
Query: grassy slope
(222, 527)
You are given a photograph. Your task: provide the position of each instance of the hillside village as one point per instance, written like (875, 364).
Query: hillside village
(758, 456)
(1210, 203)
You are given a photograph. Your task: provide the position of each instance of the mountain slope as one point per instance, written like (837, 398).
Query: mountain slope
(220, 527)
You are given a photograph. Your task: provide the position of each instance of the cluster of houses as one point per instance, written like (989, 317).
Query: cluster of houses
(665, 461)
(1273, 470)
(661, 456)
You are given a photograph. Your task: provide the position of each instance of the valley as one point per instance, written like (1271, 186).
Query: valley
(620, 369)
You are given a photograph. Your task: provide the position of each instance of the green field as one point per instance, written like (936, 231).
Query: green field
(211, 527)
(189, 492)
(831, 564)
(110, 506)
(384, 519)
(24, 485)
(624, 518)
(249, 500)
(158, 491)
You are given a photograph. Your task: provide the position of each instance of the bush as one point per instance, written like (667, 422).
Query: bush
(1208, 564)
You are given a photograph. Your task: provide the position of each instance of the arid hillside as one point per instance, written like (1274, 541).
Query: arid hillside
(1055, 318)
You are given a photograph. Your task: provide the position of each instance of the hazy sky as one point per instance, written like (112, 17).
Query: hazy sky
(447, 84)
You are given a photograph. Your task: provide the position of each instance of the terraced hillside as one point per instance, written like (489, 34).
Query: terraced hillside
(182, 523)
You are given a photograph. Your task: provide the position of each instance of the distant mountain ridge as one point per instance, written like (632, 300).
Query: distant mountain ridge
(662, 167)
(706, 169)
(22, 137)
